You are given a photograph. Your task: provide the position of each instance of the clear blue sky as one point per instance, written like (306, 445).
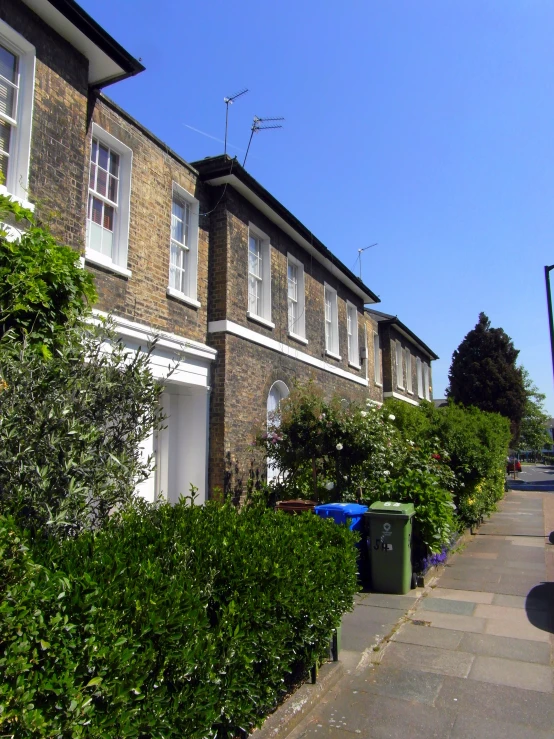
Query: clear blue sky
(424, 126)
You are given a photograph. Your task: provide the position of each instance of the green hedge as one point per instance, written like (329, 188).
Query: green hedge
(476, 444)
(177, 621)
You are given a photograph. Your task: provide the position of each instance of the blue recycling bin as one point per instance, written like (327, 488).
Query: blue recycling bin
(351, 514)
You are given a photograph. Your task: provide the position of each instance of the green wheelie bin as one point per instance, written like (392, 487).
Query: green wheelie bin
(390, 542)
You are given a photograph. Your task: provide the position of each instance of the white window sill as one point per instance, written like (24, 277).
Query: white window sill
(24, 203)
(260, 320)
(101, 261)
(399, 387)
(333, 355)
(297, 337)
(172, 293)
(354, 365)
(378, 384)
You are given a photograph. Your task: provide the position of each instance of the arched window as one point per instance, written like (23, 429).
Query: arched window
(278, 392)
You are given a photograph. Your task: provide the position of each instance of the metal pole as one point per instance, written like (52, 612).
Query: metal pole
(550, 319)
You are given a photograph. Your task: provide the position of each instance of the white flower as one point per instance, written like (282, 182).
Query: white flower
(391, 417)
(411, 443)
(363, 414)
(329, 485)
(339, 447)
(386, 473)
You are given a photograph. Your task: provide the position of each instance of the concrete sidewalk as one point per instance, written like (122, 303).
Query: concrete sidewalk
(471, 656)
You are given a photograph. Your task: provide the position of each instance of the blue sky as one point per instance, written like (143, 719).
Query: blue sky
(424, 126)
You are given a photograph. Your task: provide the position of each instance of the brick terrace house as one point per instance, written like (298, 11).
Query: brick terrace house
(281, 308)
(404, 369)
(129, 205)
(239, 291)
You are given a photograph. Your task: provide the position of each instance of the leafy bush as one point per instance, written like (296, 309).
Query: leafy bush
(44, 288)
(348, 451)
(181, 621)
(475, 442)
(71, 429)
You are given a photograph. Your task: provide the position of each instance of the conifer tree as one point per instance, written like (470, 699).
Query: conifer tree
(483, 373)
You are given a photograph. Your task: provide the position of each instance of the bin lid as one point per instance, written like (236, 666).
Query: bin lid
(349, 509)
(391, 508)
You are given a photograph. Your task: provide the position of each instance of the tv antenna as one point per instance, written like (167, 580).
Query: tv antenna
(257, 127)
(365, 248)
(229, 101)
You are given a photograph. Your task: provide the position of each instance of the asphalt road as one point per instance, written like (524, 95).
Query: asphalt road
(533, 477)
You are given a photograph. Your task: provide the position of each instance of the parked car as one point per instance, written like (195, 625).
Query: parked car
(513, 465)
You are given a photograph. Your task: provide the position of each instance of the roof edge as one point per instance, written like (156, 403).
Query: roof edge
(390, 320)
(155, 140)
(94, 32)
(213, 168)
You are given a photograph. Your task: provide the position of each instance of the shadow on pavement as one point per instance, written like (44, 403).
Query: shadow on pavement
(539, 606)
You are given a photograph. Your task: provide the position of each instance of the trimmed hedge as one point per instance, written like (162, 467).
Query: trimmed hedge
(170, 622)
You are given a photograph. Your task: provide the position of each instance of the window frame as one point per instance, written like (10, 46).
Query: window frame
(352, 337)
(334, 349)
(264, 318)
(190, 297)
(298, 331)
(399, 364)
(409, 381)
(377, 359)
(120, 246)
(17, 181)
(426, 381)
(419, 371)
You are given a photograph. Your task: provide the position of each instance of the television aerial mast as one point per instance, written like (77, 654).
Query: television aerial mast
(229, 101)
(256, 127)
(365, 248)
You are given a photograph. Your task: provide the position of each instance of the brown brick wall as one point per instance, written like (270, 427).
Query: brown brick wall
(234, 306)
(56, 176)
(389, 339)
(142, 297)
(243, 376)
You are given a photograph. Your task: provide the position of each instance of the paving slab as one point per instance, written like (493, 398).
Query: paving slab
(533, 542)
(523, 675)
(521, 650)
(446, 605)
(428, 636)
(429, 659)
(503, 703)
(473, 596)
(362, 627)
(506, 613)
(468, 726)
(452, 621)
(381, 717)
(467, 581)
(382, 600)
(503, 627)
(407, 685)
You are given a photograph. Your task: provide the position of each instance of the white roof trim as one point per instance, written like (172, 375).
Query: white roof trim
(101, 67)
(139, 332)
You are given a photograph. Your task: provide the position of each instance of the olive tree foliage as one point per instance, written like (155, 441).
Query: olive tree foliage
(43, 288)
(71, 430)
(75, 404)
(484, 374)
